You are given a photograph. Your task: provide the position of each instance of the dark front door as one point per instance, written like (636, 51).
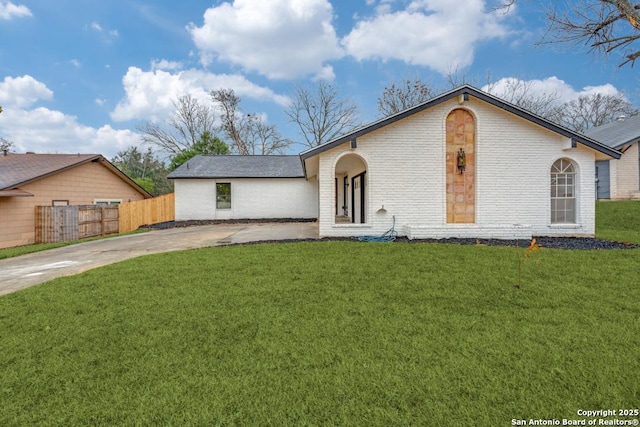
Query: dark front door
(603, 179)
(357, 198)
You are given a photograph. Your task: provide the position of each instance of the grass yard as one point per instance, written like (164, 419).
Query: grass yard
(619, 220)
(326, 333)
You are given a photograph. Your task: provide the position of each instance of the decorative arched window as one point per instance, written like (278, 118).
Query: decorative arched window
(563, 192)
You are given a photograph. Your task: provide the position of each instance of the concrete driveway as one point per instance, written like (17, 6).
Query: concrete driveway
(28, 270)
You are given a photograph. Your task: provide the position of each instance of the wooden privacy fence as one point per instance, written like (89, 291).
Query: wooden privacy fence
(65, 223)
(148, 211)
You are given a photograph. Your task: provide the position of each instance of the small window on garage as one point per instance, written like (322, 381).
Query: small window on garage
(223, 195)
(59, 203)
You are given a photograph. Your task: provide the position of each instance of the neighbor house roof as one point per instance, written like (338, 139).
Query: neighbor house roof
(205, 166)
(465, 92)
(17, 170)
(617, 134)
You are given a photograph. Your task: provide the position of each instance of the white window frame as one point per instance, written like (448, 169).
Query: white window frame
(564, 199)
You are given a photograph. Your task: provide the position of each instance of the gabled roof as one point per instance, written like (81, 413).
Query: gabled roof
(205, 166)
(617, 134)
(17, 170)
(465, 91)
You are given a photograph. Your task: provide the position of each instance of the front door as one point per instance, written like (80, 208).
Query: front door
(357, 198)
(602, 179)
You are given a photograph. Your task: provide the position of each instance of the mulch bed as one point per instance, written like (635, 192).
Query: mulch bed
(584, 243)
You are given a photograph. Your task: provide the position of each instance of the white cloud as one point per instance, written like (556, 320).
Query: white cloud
(107, 35)
(22, 92)
(149, 94)
(47, 131)
(164, 64)
(280, 39)
(9, 11)
(550, 85)
(76, 63)
(44, 130)
(440, 34)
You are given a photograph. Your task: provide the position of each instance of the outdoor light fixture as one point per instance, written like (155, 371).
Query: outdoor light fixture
(462, 161)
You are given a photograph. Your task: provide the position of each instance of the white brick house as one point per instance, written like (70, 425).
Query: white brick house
(464, 164)
(619, 179)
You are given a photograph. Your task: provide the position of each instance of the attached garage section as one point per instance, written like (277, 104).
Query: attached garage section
(244, 187)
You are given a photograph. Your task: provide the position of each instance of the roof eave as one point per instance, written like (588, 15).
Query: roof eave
(476, 93)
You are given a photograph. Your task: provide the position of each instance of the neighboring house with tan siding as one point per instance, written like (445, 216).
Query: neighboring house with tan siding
(619, 179)
(30, 180)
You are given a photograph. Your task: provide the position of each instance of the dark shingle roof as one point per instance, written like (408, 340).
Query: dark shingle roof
(240, 167)
(617, 134)
(464, 91)
(21, 169)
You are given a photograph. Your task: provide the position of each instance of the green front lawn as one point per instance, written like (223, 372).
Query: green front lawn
(619, 220)
(325, 333)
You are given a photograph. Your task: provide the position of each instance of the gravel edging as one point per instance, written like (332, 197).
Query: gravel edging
(579, 243)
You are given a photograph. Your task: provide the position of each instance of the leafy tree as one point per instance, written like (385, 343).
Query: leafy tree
(604, 26)
(321, 114)
(183, 129)
(145, 169)
(247, 133)
(5, 144)
(207, 144)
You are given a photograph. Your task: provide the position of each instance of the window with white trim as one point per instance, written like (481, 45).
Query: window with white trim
(563, 192)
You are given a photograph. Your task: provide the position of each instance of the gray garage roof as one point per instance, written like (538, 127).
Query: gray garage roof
(200, 167)
(617, 134)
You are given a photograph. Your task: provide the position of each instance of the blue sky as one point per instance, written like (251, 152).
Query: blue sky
(78, 76)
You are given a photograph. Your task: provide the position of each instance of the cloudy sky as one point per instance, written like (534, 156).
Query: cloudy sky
(79, 76)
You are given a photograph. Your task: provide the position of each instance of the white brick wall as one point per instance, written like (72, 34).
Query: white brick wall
(626, 174)
(406, 173)
(250, 199)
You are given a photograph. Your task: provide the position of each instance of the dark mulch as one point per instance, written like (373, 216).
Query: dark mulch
(584, 243)
(176, 224)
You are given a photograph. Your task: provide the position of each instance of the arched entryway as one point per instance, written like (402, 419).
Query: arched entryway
(350, 190)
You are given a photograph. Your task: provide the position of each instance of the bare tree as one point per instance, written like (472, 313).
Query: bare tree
(183, 129)
(401, 95)
(265, 138)
(523, 94)
(604, 26)
(233, 122)
(248, 133)
(321, 114)
(594, 110)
